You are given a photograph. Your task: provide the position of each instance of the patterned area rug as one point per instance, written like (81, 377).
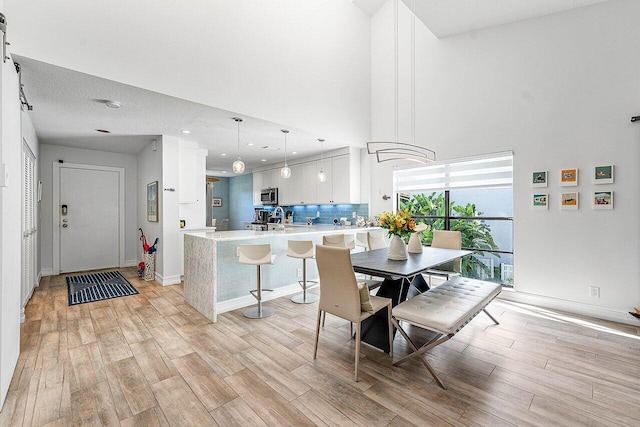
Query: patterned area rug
(98, 286)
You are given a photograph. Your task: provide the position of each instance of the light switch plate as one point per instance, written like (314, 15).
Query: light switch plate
(3, 175)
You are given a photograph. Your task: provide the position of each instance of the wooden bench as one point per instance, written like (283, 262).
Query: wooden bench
(444, 309)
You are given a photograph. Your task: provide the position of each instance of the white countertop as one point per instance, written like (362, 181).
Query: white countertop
(293, 230)
(190, 229)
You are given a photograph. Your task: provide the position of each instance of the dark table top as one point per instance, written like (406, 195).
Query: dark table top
(377, 262)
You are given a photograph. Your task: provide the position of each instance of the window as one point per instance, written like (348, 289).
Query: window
(473, 196)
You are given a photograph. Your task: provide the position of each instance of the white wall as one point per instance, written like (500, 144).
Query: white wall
(10, 224)
(195, 214)
(150, 170)
(169, 272)
(52, 153)
(305, 63)
(559, 91)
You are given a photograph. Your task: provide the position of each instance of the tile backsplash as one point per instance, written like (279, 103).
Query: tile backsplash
(327, 212)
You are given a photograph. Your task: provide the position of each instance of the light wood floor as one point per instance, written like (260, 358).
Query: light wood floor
(151, 359)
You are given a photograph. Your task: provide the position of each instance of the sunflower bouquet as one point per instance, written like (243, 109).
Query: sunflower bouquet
(398, 223)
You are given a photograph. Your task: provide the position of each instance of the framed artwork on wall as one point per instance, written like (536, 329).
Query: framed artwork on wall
(152, 201)
(603, 200)
(569, 177)
(603, 174)
(569, 201)
(539, 179)
(540, 201)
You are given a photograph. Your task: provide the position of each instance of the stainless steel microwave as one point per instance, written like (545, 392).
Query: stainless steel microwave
(269, 196)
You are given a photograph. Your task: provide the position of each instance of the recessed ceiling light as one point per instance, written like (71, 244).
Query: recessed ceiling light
(294, 152)
(250, 143)
(263, 160)
(224, 171)
(223, 154)
(112, 104)
(103, 131)
(186, 131)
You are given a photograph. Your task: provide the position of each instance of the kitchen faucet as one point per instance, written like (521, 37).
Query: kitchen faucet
(280, 222)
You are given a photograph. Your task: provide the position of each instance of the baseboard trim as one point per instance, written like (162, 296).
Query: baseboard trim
(46, 272)
(167, 281)
(131, 263)
(568, 306)
(246, 301)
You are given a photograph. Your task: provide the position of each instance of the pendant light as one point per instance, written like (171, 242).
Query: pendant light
(285, 172)
(238, 165)
(396, 150)
(322, 177)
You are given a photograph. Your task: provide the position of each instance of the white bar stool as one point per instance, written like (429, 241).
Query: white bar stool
(376, 240)
(302, 249)
(362, 240)
(257, 255)
(339, 241)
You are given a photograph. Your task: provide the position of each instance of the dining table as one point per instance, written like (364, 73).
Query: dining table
(402, 279)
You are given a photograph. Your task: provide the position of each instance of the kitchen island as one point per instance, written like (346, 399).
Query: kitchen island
(215, 282)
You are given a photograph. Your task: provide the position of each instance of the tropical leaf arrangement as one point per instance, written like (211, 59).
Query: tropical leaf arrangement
(399, 223)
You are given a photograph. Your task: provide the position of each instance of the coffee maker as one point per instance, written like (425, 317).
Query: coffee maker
(261, 216)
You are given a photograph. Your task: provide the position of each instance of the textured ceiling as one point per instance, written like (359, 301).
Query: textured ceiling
(69, 106)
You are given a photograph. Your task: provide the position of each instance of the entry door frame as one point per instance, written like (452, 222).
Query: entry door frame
(56, 208)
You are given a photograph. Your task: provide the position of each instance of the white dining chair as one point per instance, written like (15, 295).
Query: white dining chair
(446, 239)
(340, 295)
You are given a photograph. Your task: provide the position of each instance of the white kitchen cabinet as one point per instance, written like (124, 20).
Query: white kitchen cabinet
(273, 178)
(310, 177)
(341, 180)
(291, 190)
(258, 185)
(324, 189)
(303, 188)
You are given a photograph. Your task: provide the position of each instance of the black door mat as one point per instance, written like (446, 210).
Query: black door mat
(92, 287)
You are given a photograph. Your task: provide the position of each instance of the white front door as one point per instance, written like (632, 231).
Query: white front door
(89, 223)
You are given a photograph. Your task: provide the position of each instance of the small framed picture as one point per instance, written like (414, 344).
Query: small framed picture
(539, 179)
(216, 202)
(569, 177)
(603, 174)
(540, 201)
(569, 201)
(152, 201)
(603, 200)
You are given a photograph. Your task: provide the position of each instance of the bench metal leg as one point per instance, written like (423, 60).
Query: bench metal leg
(490, 316)
(418, 352)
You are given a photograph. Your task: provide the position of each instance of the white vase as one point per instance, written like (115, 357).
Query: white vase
(415, 245)
(397, 249)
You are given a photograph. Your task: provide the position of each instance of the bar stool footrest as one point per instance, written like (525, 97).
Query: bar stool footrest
(301, 283)
(255, 291)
